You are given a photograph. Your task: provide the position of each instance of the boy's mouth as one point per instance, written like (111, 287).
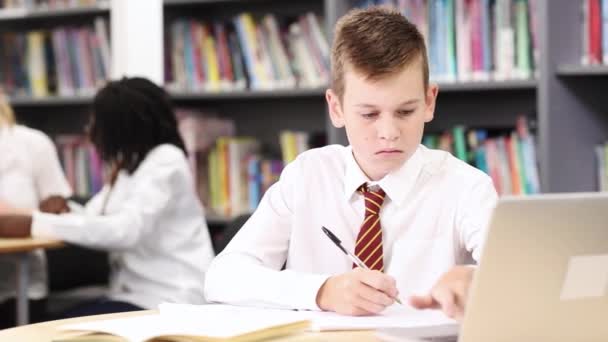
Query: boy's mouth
(389, 151)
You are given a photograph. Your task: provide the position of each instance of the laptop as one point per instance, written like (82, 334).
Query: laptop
(543, 274)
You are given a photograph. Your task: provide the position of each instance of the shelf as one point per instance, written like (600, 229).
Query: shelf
(582, 70)
(197, 2)
(488, 85)
(248, 94)
(51, 101)
(22, 13)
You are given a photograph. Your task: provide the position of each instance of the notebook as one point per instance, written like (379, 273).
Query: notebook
(211, 323)
(182, 322)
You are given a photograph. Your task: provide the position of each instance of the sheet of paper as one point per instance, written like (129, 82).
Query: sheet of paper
(396, 316)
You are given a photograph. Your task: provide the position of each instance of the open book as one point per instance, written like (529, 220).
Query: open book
(177, 323)
(211, 323)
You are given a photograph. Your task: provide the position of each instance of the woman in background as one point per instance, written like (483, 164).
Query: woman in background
(29, 172)
(147, 216)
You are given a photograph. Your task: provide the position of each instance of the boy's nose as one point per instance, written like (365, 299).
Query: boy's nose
(388, 129)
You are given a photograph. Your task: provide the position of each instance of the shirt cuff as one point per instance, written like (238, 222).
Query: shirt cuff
(41, 227)
(308, 287)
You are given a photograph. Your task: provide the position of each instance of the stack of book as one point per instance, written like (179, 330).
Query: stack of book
(474, 40)
(509, 157)
(64, 61)
(81, 164)
(246, 54)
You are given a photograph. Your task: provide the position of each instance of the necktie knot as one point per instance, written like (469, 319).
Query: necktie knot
(374, 198)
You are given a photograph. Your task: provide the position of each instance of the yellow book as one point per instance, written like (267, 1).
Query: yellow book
(212, 63)
(198, 323)
(36, 64)
(223, 177)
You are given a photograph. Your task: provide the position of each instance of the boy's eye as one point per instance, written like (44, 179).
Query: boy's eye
(369, 115)
(404, 112)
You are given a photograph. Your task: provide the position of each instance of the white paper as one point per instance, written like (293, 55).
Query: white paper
(222, 321)
(396, 316)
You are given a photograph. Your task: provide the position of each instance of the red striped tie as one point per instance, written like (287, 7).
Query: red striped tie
(369, 241)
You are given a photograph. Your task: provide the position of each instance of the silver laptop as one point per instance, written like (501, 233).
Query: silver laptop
(543, 274)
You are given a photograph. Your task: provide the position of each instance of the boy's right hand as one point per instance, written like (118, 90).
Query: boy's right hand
(358, 292)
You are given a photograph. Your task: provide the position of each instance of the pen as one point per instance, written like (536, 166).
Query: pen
(350, 255)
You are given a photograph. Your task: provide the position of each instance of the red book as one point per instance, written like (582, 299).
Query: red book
(595, 32)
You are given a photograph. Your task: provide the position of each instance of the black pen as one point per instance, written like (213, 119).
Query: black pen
(350, 255)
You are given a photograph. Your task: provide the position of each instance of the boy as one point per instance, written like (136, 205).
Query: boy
(410, 213)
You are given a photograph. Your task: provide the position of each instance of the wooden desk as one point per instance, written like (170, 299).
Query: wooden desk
(18, 250)
(47, 331)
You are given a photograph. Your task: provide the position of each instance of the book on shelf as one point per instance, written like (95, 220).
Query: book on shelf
(474, 40)
(246, 53)
(601, 157)
(81, 164)
(594, 28)
(507, 156)
(63, 61)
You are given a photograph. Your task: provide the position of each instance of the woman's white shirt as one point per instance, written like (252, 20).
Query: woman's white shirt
(153, 225)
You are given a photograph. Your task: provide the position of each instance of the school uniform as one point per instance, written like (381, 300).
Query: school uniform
(29, 172)
(434, 215)
(153, 225)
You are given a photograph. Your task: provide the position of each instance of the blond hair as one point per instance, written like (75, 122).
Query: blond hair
(7, 116)
(377, 42)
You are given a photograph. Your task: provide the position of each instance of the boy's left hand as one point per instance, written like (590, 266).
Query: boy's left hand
(449, 293)
(15, 226)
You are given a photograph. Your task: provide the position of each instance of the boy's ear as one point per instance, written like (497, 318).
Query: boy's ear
(335, 108)
(430, 100)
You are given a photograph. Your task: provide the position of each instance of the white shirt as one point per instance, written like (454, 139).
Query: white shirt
(154, 227)
(434, 217)
(29, 172)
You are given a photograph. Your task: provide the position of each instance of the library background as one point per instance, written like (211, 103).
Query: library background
(520, 88)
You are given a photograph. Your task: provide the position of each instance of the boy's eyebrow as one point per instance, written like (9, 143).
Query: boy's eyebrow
(408, 102)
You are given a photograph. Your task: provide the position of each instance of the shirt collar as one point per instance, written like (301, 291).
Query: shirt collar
(396, 184)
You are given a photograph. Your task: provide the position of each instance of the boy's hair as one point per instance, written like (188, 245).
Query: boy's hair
(7, 116)
(376, 42)
(131, 117)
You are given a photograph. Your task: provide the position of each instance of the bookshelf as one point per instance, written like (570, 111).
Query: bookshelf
(564, 100)
(572, 104)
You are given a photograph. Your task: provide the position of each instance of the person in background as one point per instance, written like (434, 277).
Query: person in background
(147, 216)
(30, 175)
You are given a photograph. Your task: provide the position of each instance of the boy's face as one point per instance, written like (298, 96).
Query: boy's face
(384, 119)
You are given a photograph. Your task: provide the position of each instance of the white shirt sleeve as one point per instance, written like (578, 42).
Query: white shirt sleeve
(248, 271)
(123, 228)
(48, 174)
(474, 218)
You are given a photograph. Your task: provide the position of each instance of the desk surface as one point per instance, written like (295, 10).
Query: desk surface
(45, 332)
(8, 246)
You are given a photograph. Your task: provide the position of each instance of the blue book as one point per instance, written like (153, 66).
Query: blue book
(247, 53)
(433, 39)
(188, 52)
(254, 182)
(486, 30)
